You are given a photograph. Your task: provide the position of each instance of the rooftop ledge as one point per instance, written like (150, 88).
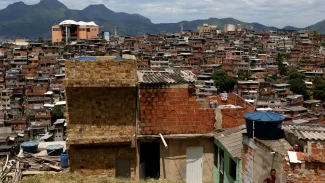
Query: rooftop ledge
(81, 140)
(100, 83)
(107, 73)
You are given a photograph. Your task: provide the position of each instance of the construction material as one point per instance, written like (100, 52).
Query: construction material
(163, 140)
(27, 164)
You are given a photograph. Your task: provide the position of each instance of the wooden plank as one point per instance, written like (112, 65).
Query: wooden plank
(36, 172)
(53, 167)
(26, 173)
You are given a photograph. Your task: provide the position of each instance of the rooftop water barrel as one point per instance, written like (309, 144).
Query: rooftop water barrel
(64, 161)
(267, 125)
(54, 150)
(30, 147)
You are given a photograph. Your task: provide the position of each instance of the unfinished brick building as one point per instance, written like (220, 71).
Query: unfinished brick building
(101, 100)
(169, 107)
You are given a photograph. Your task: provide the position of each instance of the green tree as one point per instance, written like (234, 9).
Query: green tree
(297, 86)
(223, 81)
(319, 88)
(280, 57)
(314, 35)
(297, 83)
(294, 74)
(243, 75)
(282, 69)
(57, 112)
(40, 39)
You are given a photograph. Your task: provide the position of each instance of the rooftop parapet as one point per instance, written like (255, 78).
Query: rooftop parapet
(101, 72)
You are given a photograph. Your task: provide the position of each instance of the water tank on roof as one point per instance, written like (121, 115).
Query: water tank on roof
(267, 125)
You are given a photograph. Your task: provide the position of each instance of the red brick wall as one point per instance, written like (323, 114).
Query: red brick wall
(173, 111)
(233, 117)
(313, 173)
(29, 70)
(317, 148)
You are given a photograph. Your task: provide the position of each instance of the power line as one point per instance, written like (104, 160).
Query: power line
(45, 5)
(10, 30)
(30, 9)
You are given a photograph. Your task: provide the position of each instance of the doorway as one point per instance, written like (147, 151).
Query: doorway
(150, 160)
(194, 165)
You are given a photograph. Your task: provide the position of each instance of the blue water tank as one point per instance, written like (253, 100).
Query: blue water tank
(64, 160)
(54, 150)
(267, 125)
(30, 147)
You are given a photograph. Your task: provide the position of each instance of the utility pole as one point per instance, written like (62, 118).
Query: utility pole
(252, 27)
(66, 35)
(115, 30)
(182, 27)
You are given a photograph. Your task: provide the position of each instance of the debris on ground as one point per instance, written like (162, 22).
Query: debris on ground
(26, 164)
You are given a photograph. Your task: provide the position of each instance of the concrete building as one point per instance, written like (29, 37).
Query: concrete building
(248, 90)
(207, 29)
(304, 164)
(69, 30)
(230, 28)
(227, 159)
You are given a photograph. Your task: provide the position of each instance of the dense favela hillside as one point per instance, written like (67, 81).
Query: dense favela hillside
(31, 21)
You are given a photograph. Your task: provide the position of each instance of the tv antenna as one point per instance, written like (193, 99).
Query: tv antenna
(182, 26)
(115, 30)
(252, 27)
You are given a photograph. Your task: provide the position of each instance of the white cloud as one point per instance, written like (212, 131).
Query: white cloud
(300, 13)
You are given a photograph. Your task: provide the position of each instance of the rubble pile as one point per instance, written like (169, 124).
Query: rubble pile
(27, 164)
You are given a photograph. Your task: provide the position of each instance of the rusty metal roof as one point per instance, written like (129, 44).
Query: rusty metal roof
(166, 77)
(306, 131)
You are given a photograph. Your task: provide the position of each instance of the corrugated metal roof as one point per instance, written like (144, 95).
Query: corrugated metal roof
(306, 132)
(232, 140)
(281, 145)
(168, 76)
(59, 121)
(296, 108)
(85, 58)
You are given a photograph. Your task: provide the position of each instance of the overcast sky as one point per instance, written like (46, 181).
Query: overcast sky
(280, 13)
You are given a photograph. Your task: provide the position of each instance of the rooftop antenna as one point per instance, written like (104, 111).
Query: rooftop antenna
(182, 26)
(115, 30)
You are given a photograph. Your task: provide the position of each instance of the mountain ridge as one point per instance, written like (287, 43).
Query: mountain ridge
(31, 21)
